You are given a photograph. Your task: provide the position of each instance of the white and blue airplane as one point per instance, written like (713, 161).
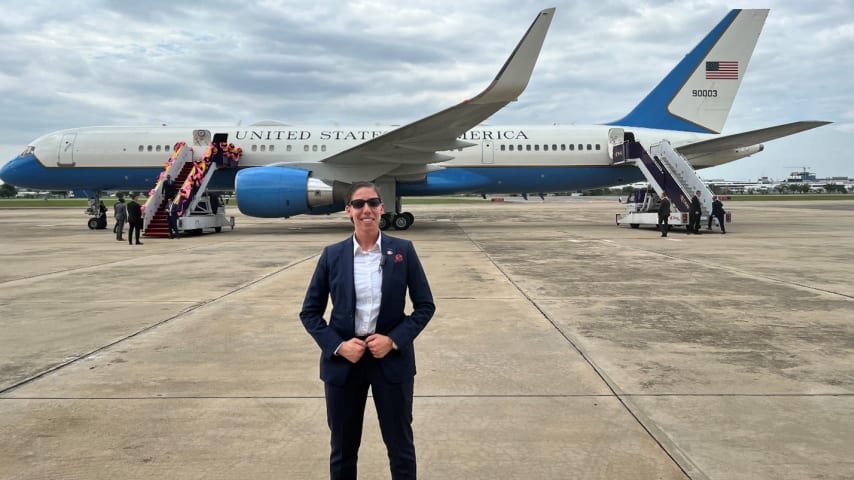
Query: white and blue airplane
(288, 170)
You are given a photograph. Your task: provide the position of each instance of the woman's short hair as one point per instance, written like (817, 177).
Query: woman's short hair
(358, 185)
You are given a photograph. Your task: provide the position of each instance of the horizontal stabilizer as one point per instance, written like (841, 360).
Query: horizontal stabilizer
(747, 139)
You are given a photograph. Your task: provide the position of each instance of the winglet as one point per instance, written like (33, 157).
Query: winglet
(516, 72)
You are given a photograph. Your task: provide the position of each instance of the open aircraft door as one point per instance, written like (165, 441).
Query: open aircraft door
(487, 152)
(202, 139)
(66, 150)
(616, 137)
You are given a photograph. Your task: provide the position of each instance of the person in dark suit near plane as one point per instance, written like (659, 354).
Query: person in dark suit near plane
(694, 213)
(664, 214)
(717, 212)
(172, 217)
(368, 340)
(134, 219)
(169, 188)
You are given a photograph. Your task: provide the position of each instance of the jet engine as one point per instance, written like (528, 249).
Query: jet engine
(277, 191)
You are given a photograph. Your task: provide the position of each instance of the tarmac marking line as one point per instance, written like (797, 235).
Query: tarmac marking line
(679, 458)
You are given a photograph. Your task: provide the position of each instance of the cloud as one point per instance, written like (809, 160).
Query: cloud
(376, 62)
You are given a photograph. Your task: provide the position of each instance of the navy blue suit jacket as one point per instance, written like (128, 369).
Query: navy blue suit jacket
(333, 277)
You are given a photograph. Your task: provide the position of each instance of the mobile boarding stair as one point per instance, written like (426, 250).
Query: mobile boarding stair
(666, 171)
(194, 203)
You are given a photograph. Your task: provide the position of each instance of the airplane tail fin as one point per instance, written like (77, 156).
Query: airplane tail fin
(696, 96)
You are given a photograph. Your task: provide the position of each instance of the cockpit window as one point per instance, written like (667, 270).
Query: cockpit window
(28, 151)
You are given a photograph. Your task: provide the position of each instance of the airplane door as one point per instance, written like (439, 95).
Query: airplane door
(487, 152)
(616, 137)
(201, 138)
(66, 150)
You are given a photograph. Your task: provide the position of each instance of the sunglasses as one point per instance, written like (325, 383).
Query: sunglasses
(372, 202)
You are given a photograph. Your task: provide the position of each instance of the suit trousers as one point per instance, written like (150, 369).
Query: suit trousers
(173, 225)
(134, 228)
(120, 227)
(345, 412)
(663, 225)
(720, 217)
(694, 222)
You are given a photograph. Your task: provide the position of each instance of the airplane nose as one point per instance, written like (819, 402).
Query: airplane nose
(16, 171)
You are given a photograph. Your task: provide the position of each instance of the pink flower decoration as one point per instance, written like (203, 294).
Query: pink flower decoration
(398, 258)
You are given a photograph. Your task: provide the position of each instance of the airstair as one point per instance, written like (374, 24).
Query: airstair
(667, 171)
(191, 197)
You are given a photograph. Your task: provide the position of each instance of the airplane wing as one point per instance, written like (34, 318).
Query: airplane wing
(410, 148)
(746, 139)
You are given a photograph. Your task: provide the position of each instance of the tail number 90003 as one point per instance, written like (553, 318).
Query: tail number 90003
(704, 93)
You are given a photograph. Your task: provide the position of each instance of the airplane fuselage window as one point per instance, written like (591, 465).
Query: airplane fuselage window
(263, 148)
(154, 148)
(589, 147)
(305, 148)
(270, 148)
(289, 148)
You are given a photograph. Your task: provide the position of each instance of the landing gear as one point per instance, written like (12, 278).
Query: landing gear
(402, 221)
(399, 220)
(395, 216)
(98, 218)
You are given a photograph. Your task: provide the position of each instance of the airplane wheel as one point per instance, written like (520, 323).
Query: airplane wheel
(401, 222)
(93, 223)
(385, 221)
(217, 229)
(409, 218)
(634, 225)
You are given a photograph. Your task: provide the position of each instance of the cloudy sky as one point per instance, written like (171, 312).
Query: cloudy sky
(102, 62)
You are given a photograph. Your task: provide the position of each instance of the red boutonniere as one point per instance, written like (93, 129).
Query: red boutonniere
(398, 258)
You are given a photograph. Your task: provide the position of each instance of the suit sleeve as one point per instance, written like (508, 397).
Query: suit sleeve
(314, 306)
(422, 303)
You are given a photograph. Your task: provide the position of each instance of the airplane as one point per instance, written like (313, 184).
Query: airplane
(291, 170)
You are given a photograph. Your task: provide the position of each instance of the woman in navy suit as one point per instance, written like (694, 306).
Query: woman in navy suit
(368, 340)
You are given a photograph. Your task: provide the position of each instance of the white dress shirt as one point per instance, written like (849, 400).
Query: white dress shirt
(368, 281)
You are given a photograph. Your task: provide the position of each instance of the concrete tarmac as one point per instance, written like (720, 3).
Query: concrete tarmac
(563, 346)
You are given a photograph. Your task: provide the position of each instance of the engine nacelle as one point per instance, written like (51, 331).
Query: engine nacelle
(274, 192)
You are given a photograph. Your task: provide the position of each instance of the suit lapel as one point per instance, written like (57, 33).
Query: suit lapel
(389, 245)
(346, 265)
